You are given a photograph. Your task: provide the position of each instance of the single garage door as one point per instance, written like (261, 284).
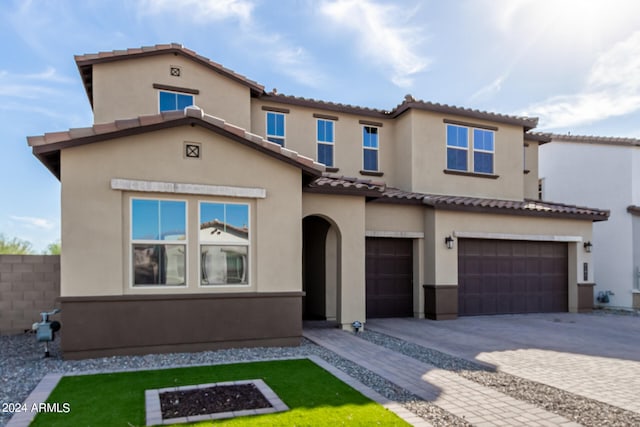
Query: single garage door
(506, 276)
(389, 269)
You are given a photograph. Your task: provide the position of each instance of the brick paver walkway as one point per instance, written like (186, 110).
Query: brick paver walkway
(593, 356)
(477, 404)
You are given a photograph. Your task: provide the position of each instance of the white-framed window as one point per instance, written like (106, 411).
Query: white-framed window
(276, 127)
(158, 241)
(370, 148)
(170, 101)
(224, 242)
(325, 135)
(459, 141)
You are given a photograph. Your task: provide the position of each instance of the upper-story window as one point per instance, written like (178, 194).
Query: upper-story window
(370, 148)
(481, 141)
(457, 147)
(326, 140)
(275, 127)
(170, 101)
(483, 149)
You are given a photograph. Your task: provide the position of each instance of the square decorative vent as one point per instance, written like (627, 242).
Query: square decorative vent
(174, 71)
(191, 150)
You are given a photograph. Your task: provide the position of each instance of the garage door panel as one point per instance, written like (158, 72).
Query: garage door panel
(504, 276)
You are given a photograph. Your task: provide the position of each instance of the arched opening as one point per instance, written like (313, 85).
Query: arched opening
(320, 269)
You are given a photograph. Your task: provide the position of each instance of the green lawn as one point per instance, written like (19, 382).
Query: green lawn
(314, 396)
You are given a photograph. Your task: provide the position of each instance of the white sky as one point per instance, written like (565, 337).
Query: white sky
(575, 64)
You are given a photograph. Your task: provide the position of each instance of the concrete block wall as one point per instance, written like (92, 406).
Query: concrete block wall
(29, 284)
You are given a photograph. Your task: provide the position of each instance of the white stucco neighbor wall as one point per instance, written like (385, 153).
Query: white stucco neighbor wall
(598, 176)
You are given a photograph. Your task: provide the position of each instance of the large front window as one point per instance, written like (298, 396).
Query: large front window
(370, 148)
(170, 101)
(224, 243)
(275, 127)
(325, 142)
(158, 242)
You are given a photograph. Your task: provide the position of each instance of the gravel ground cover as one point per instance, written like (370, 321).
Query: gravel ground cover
(582, 410)
(22, 366)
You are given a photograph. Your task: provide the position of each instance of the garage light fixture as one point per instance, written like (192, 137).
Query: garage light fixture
(587, 247)
(449, 242)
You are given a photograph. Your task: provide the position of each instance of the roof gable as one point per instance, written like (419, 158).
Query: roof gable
(47, 147)
(85, 64)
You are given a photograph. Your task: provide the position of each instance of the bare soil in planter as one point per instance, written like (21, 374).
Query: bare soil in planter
(211, 400)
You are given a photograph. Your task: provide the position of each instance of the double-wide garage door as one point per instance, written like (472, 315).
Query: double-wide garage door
(505, 276)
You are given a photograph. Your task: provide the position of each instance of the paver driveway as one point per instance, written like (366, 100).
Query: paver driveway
(593, 355)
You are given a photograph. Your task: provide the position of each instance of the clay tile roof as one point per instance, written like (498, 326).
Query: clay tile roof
(540, 137)
(47, 147)
(409, 102)
(513, 207)
(589, 139)
(85, 63)
(325, 105)
(333, 184)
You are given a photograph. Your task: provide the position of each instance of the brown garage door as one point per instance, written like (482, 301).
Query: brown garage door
(389, 267)
(505, 276)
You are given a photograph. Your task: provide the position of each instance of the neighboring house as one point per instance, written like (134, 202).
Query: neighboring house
(604, 172)
(325, 211)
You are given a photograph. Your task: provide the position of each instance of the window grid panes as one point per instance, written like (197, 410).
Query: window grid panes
(158, 242)
(483, 147)
(370, 148)
(224, 244)
(457, 147)
(459, 139)
(325, 137)
(170, 101)
(275, 127)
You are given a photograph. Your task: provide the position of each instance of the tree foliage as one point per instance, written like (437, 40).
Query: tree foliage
(14, 246)
(53, 248)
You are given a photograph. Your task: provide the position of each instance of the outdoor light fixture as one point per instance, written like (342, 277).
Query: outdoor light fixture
(587, 247)
(449, 242)
(357, 325)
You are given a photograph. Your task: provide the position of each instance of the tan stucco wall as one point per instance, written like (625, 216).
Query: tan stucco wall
(531, 165)
(347, 214)
(441, 264)
(392, 217)
(95, 219)
(430, 159)
(301, 133)
(124, 89)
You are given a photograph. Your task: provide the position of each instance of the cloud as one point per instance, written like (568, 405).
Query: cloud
(381, 35)
(33, 222)
(611, 89)
(202, 10)
(31, 86)
(490, 89)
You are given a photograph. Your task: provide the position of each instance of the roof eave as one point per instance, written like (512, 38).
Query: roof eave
(604, 216)
(48, 153)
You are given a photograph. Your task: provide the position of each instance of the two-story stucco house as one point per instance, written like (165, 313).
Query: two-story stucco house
(604, 171)
(200, 211)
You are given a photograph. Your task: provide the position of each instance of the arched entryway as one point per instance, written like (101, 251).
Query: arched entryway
(320, 268)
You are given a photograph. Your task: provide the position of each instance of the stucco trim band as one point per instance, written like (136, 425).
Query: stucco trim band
(185, 188)
(505, 236)
(395, 234)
